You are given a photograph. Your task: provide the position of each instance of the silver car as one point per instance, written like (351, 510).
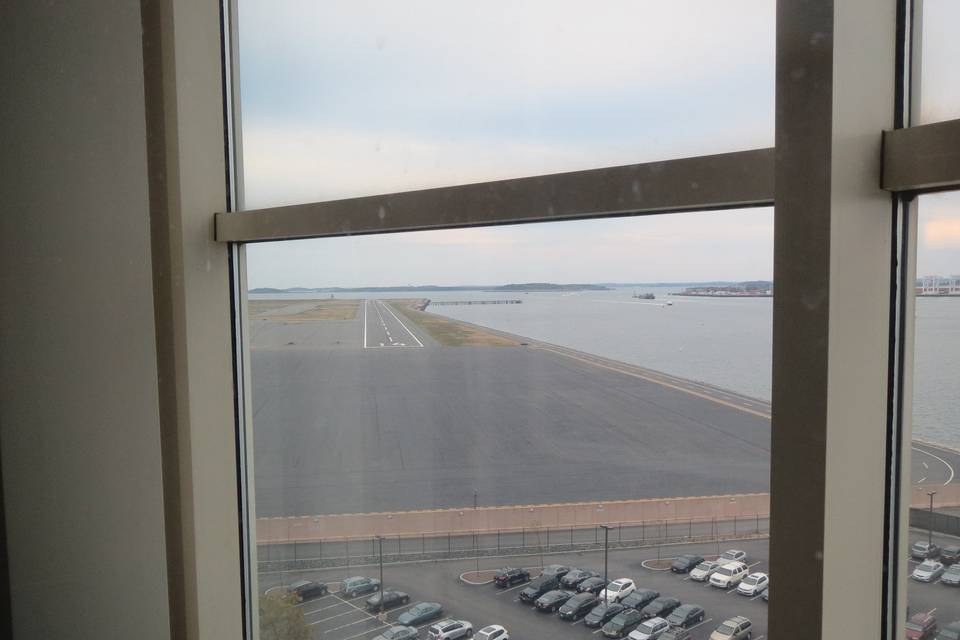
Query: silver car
(928, 571)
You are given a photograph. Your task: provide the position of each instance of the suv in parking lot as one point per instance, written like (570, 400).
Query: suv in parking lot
(493, 632)
(618, 590)
(537, 588)
(509, 576)
(307, 589)
(735, 628)
(922, 550)
(358, 585)
(729, 575)
(450, 630)
(650, 629)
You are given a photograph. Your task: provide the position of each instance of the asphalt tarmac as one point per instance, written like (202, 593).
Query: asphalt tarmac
(345, 425)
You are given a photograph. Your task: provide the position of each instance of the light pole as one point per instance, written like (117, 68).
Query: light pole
(606, 547)
(475, 494)
(930, 523)
(380, 540)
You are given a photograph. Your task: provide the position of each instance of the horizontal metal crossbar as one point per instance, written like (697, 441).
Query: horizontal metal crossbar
(922, 158)
(722, 181)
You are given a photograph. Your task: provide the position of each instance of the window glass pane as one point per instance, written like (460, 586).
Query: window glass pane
(935, 459)
(343, 99)
(939, 81)
(454, 402)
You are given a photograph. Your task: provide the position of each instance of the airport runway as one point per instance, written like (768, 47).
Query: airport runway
(343, 424)
(383, 328)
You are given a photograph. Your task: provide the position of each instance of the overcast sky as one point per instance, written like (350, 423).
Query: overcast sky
(343, 99)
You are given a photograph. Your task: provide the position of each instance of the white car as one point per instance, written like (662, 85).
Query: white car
(618, 590)
(753, 584)
(450, 630)
(729, 575)
(732, 555)
(928, 571)
(493, 632)
(703, 571)
(650, 629)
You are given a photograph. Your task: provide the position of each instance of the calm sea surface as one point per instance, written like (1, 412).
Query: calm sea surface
(725, 342)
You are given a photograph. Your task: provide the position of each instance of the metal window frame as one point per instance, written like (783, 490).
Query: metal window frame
(833, 239)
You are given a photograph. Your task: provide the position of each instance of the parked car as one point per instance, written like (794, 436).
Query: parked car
(493, 632)
(307, 590)
(732, 555)
(509, 576)
(921, 626)
(593, 585)
(537, 588)
(622, 623)
(927, 571)
(552, 600)
(398, 633)
(951, 577)
(661, 607)
(618, 590)
(420, 613)
(950, 632)
(573, 578)
(555, 570)
(950, 555)
(650, 629)
(676, 633)
(389, 598)
(450, 630)
(359, 585)
(602, 614)
(735, 628)
(753, 584)
(729, 575)
(685, 563)
(578, 606)
(703, 571)
(640, 598)
(686, 615)
(923, 550)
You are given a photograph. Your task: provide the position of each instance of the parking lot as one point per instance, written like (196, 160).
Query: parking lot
(338, 618)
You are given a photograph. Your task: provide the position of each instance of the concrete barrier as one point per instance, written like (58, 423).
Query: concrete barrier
(518, 517)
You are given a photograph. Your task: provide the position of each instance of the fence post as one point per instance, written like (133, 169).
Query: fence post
(620, 532)
(758, 524)
(523, 537)
(449, 547)
(498, 540)
(643, 532)
(347, 553)
(571, 536)
(294, 550)
(734, 525)
(548, 538)
(596, 535)
(690, 528)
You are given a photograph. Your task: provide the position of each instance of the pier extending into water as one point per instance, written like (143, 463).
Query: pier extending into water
(452, 302)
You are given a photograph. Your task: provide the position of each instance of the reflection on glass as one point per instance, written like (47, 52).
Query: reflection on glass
(343, 99)
(935, 459)
(480, 422)
(939, 81)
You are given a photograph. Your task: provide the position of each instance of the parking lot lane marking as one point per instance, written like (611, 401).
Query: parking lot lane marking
(329, 606)
(357, 635)
(349, 624)
(926, 466)
(345, 613)
(760, 637)
(922, 480)
(400, 610)
(687, 578)
(731, 591)
(598, 631)
(755, 597)
(313, 601)
(575, 623)
(508, 589)
(751, 566)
